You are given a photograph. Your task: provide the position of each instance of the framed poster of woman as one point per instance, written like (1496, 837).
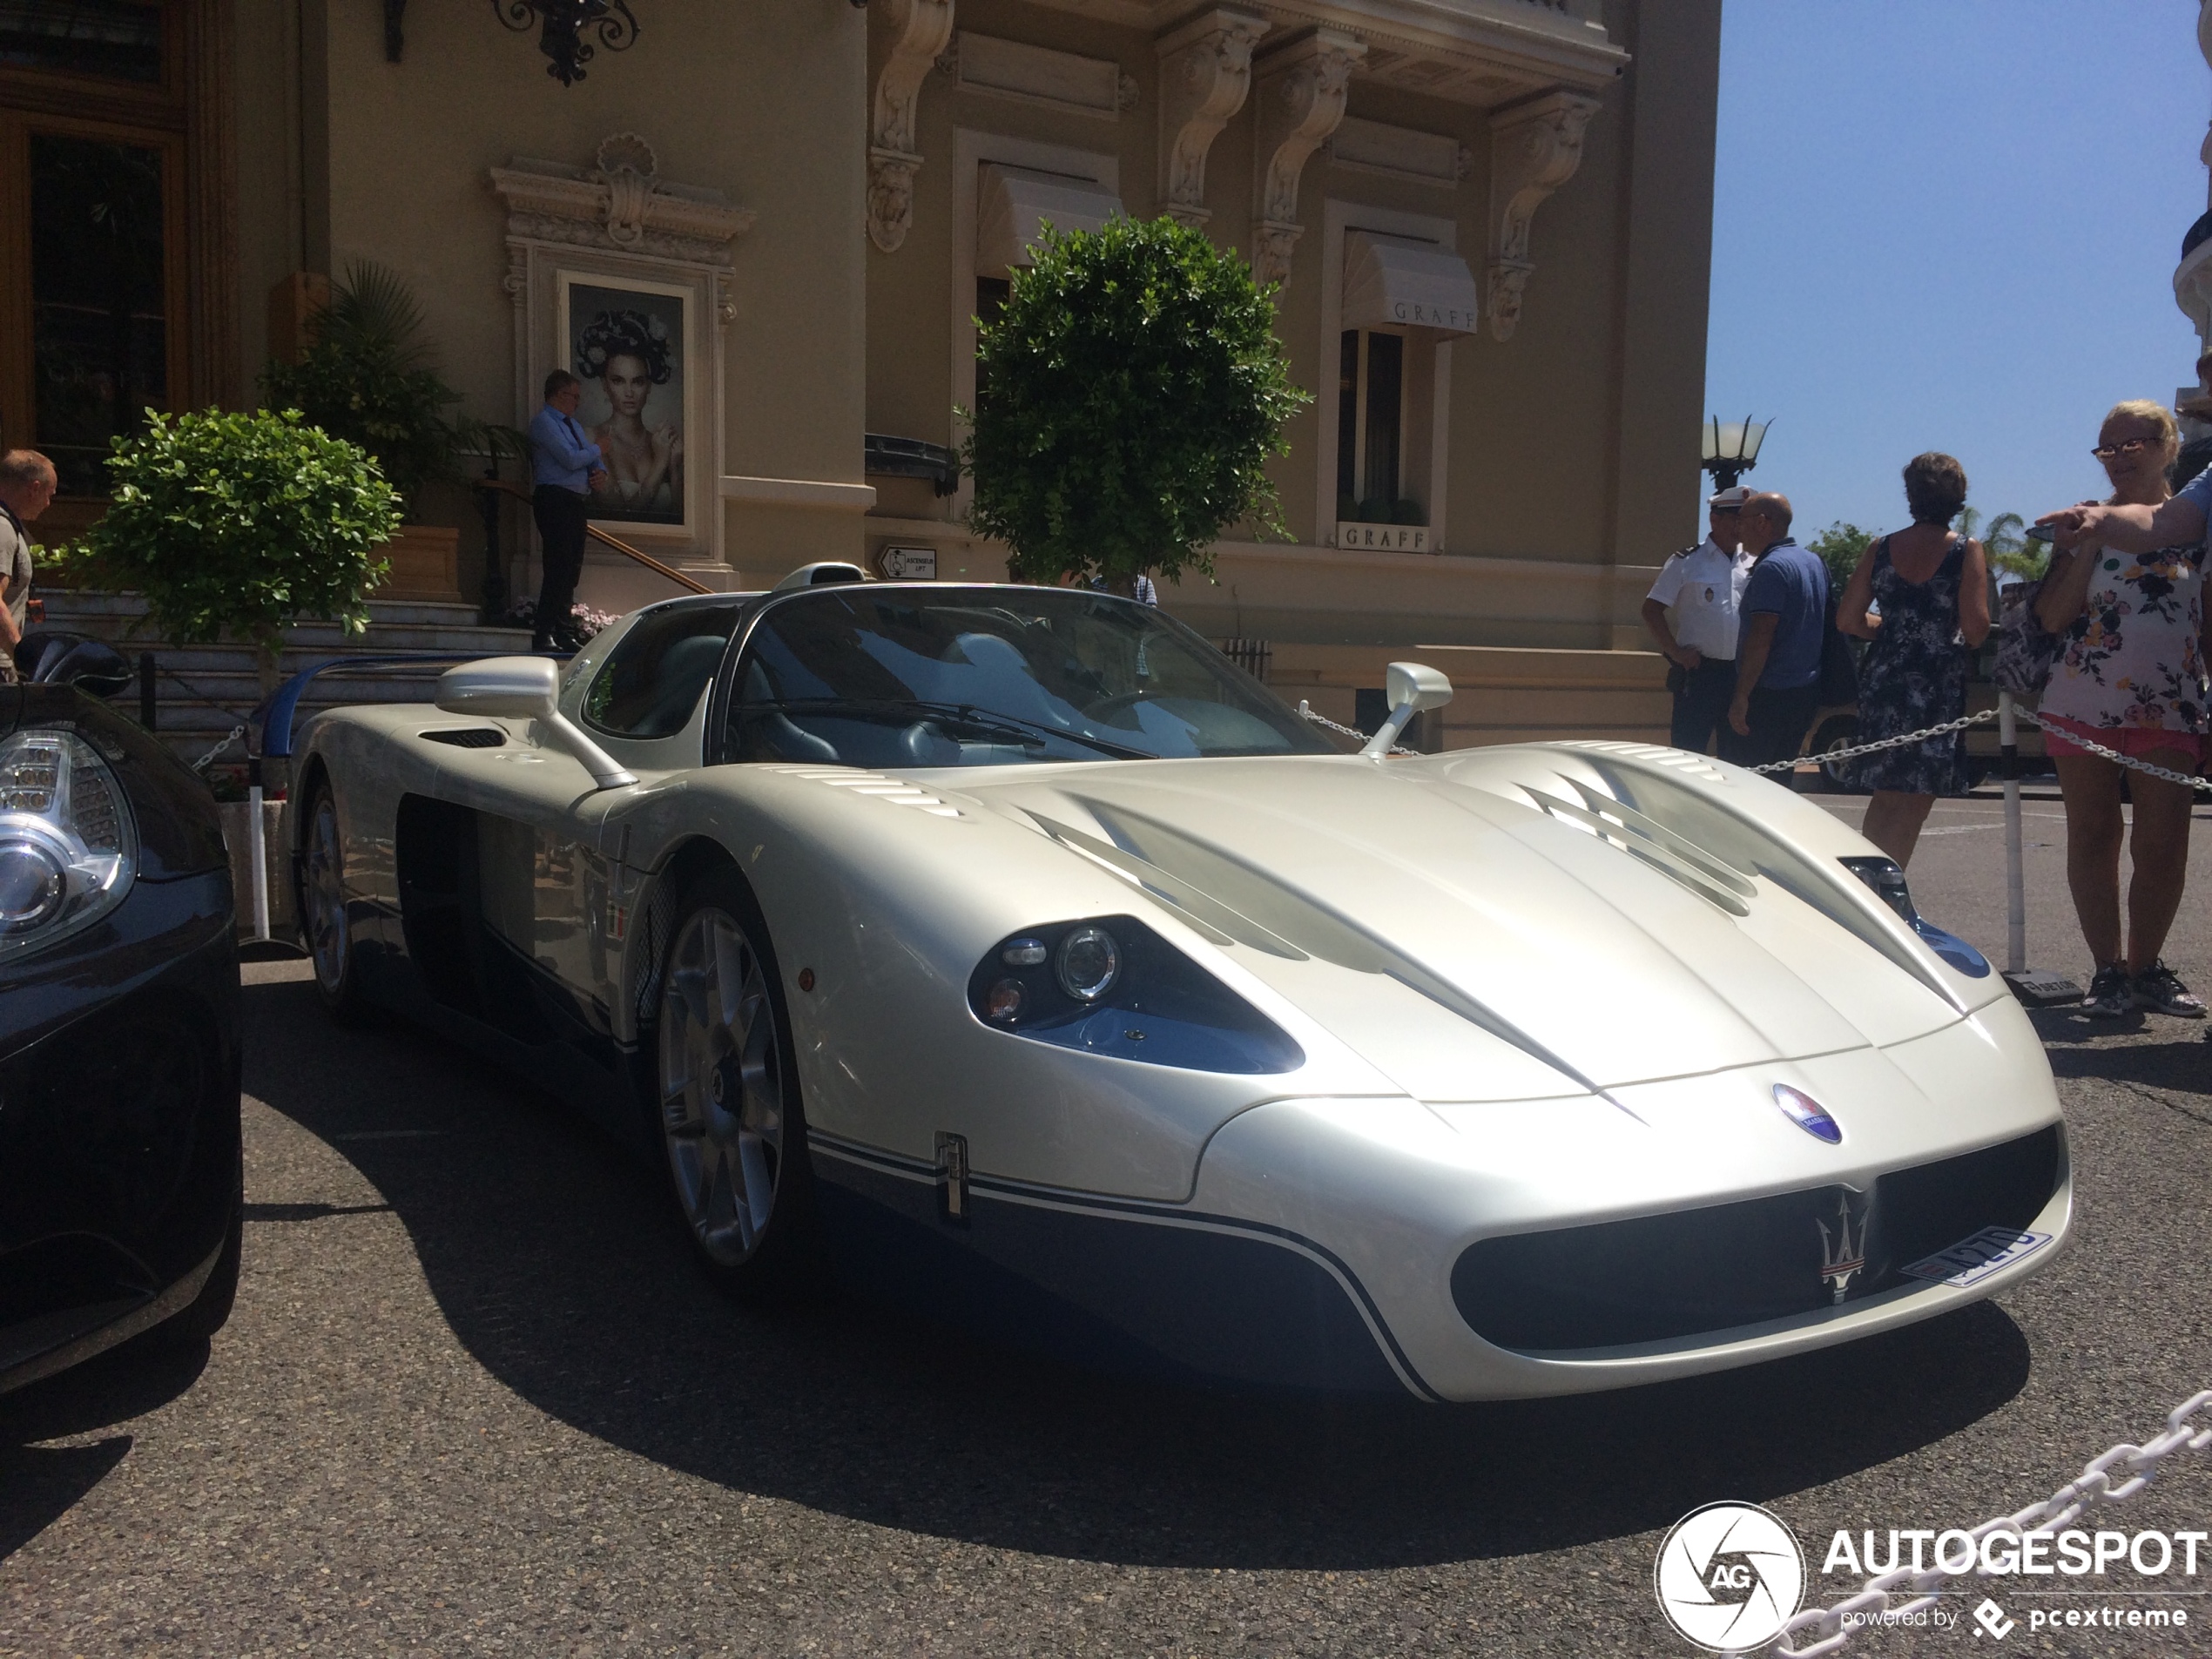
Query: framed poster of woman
(628, 341)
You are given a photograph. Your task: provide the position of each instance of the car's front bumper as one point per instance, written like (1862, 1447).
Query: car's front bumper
(1399, 1191)
(119, 1124)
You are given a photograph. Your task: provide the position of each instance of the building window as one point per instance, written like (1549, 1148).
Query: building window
(991, 295)
(1370, 424)
(99, 324)
(114, 40)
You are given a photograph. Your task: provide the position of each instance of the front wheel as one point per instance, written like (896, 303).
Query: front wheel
(1837, 731)
(730, 1121)
(323, 913)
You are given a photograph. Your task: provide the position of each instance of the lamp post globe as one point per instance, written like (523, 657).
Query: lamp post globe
(1731, 449)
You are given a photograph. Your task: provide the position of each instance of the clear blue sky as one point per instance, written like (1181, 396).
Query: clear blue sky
(1949, 225)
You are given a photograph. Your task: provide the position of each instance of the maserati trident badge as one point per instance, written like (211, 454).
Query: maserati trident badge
(1808, 1114)
(1843, 1252)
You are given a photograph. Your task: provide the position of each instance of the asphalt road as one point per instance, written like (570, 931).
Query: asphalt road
(474, 1400)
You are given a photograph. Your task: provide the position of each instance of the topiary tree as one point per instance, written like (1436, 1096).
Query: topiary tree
(240, 523)
(1128, 397)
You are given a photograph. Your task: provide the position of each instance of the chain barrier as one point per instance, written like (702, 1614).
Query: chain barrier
(209, 758)
(1353, 732)
(1832, 755)
(2113, 1477)
(2133, 763)
(2167, 773)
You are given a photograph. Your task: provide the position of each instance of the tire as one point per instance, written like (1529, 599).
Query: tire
(325, 927)
(728, 1112)
(210, 1310)
(1837, 731)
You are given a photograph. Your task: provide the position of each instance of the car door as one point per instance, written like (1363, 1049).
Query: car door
(644, 700)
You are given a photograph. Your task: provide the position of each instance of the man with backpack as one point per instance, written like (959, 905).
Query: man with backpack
(1779, 647)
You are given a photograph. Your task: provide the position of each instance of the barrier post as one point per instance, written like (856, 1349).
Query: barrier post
(2036, 986)
(257, 843)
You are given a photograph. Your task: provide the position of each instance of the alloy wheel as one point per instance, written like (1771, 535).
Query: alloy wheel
(721, 1086)
(326, 936)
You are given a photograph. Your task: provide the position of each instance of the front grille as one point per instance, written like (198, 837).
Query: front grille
(1652, 1278)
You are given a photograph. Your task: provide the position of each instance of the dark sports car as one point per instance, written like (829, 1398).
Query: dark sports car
(120, 1201)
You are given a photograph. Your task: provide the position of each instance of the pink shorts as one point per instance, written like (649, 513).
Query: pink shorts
(2136, 740)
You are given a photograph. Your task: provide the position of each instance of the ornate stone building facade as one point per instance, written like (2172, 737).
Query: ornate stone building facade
(1491, 220)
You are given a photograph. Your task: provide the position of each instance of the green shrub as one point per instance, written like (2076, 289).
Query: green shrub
(241, 523)
(1131, 392)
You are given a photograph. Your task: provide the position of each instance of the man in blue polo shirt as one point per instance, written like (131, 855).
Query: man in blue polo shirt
(566, 467)
(1777, 651)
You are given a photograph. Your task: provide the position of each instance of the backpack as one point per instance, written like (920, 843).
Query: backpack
(1838, 679)
(2026, 649)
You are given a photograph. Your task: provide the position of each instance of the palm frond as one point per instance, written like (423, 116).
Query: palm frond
(2003, 534)
(372, 306)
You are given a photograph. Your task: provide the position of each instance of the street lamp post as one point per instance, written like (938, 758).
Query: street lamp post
(1731, 449)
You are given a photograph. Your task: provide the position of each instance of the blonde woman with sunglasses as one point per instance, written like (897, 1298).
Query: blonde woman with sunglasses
(2125, 592)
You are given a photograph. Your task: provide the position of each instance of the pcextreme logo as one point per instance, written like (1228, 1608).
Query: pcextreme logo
(1728, 1576)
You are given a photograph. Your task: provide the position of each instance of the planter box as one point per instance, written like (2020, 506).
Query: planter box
(426, 565)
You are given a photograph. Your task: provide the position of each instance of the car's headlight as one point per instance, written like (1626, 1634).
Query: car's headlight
(1109, 985)
(1887, 879)
(68, 848)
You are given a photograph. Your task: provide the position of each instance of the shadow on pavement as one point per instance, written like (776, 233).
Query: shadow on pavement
(2181, 1065)
(39, 1484)
(551, 1258)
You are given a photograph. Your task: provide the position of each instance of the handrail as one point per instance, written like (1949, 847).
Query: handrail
(278, 713)
(598, 535)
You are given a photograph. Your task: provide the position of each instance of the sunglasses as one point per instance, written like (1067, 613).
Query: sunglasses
(2133, 447)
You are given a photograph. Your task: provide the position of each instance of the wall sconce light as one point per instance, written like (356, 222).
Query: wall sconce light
(561, 26)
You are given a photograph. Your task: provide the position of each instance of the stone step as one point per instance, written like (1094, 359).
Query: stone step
(89, 603)
(202, 691)
(392, 627)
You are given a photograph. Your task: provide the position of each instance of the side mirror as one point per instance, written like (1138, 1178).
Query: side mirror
(90, 664)
(1411, 687)
(527, 688)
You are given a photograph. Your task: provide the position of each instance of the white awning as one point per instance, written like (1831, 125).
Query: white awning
(1394, 282)
(1014, 207)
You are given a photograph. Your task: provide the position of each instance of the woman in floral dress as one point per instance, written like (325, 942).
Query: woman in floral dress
(2131, 678)
(1932, 589)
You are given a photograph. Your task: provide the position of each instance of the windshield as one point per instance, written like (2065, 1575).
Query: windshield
(945, 676)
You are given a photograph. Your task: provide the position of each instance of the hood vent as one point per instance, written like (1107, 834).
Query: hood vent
(1721, 885)
(1227, 901)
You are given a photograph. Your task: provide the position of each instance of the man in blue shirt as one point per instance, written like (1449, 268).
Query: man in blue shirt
(564, 470)
(1777, 651)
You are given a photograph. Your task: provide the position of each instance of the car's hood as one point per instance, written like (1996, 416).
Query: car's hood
(1473, 929)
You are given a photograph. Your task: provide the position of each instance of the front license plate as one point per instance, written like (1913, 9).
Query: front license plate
(1972, 1260)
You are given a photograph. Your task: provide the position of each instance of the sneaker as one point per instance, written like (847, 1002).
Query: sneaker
(2160, 989)
(2110, 995)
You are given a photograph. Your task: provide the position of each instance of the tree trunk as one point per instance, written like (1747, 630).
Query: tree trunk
(268, 662)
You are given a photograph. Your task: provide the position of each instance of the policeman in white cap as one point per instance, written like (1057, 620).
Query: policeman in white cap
(1691, 611)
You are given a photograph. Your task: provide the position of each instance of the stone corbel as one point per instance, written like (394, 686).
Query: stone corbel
(924, 28)
(1302, 93)
(1534, 148)
(1205, 70)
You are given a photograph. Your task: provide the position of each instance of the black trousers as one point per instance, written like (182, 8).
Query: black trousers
(1779, 721)
(1701, 707)
(560, 514)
